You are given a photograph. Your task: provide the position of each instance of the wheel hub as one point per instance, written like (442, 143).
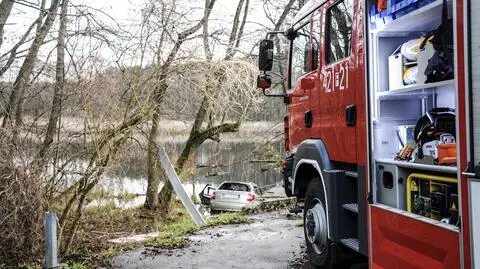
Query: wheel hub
(315, 226)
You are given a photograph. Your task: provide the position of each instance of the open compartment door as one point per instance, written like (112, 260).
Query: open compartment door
(415, 214)
(470, 180)
(401, 241)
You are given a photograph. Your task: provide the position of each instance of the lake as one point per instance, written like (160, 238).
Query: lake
(212, 163)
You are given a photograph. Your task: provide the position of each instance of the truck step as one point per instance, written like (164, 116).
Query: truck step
(351, 243)
(351, 207)
(351, 174)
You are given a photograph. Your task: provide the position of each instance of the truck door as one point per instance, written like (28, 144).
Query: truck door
(336, 103)
(302, 78)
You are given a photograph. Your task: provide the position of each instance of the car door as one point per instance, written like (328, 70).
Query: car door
(205, 194)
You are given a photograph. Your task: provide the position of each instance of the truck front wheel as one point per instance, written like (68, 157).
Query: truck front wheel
(315, 226)
(287, 186)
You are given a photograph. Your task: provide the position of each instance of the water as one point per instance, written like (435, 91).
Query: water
(212, 163)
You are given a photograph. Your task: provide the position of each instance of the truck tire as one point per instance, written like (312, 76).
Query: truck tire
(287, 187)
(315, 226)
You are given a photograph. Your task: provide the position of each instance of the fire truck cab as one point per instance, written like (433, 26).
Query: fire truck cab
(382, 130)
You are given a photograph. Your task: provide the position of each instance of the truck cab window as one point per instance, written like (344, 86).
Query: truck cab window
(339, 30)
(300, 54)
(316, 27)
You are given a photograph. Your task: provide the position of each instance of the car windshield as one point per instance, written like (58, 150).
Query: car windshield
(233, 186)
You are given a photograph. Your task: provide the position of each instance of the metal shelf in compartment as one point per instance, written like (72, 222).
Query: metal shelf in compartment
(418, 166)
(414, 90)
(430, 15)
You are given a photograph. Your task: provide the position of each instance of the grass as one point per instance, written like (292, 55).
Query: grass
(168, 242)
(180, 224)
(22, 266)
(194, 199)
(228, 218)
(104, 195)
(75, 265)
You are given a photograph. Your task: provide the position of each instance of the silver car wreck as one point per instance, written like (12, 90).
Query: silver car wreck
(231, 196)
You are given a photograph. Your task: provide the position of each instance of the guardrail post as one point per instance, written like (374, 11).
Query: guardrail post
(50, 240)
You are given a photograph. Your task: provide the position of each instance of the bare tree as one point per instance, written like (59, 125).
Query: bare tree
(154, 174)
(59, 82)
(216, 79)
(14, 106)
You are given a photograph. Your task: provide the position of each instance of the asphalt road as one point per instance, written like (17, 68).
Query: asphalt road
(273, 240)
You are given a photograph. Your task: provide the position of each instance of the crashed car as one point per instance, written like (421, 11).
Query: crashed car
(231, 196)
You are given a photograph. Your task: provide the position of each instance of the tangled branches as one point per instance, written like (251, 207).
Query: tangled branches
(21, 210)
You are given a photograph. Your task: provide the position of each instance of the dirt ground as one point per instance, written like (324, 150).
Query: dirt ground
(273, 240)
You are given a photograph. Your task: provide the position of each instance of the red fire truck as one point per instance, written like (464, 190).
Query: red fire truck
(382, 130)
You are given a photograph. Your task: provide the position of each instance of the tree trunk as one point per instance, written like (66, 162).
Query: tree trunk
(14, 106)
(242, 26)
(233, 33)
(166, 198)
(153, 175)
(153, 170)
(59, 82)
(5, 9)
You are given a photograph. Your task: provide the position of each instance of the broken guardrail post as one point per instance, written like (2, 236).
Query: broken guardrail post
(50, 240)
(178, 187)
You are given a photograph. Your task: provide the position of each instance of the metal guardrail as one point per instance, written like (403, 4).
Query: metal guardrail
(178, 187)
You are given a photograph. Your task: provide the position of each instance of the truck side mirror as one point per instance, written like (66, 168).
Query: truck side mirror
(265, 56)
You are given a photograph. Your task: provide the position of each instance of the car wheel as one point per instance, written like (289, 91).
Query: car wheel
(315, 226)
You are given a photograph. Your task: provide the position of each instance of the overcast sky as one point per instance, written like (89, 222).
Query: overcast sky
(126, 14)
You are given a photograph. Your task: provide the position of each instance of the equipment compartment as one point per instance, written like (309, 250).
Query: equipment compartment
(396, 108)
(434, 197)
(428, 191)
(391, 182)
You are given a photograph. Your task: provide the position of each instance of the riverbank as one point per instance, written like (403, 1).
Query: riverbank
(106, 230)
(109, 231)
